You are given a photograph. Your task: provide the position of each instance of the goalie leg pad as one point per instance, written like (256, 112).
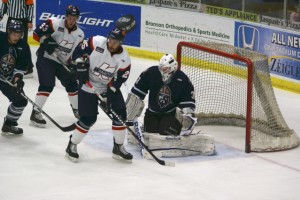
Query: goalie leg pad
(178, 146)
(134, 106)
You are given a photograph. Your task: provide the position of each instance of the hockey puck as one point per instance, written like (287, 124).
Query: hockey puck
(126, 23)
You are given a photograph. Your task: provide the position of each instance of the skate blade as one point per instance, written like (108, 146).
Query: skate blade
(74, 160)
(10, 134)
(117, 157)
(32, 123)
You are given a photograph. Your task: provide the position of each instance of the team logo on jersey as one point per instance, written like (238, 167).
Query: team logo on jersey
(65, 47)
(105, 71)
(164, 96)
(7, 64)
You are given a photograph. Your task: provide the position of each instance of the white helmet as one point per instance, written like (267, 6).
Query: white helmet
(167, 66)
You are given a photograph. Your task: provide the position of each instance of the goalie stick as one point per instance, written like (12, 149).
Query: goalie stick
(110, 113)
(64, 129)
(139, 134)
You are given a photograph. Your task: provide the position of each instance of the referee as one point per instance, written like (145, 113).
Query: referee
(21, 10)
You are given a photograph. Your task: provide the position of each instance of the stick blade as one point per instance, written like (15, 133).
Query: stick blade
(169, 163)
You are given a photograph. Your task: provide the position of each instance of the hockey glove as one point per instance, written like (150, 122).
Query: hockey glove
(108, 96)
(49, 45)
(82, 70)
(18, 82)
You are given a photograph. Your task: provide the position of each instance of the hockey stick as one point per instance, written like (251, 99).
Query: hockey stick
(64, 129)
(61, 62)
(139, 134)
(175, 148)
(110, 113)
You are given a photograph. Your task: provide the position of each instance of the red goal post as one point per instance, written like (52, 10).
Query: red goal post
(233, 87)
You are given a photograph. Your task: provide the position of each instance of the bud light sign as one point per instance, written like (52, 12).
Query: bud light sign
(96, 18)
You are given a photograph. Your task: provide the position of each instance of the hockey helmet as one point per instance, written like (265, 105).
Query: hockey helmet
(15, 26)
(117, 34)
(167, 66)
(72, 10)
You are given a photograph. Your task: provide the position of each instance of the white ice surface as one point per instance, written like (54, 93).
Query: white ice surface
(34, 167)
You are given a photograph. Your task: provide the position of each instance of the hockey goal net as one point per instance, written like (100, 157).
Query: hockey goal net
(233, 87)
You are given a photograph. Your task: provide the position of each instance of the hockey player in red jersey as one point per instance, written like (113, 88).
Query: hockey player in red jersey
(106, 65)
(58, 38)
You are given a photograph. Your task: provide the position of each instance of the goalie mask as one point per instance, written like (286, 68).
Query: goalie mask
(167, 66)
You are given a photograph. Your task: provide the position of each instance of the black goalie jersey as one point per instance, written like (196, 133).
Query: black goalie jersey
(165, 97)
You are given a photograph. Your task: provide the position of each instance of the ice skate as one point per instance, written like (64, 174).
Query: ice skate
(37, 120)
(10, 128)
(120, 153)
(71, 151)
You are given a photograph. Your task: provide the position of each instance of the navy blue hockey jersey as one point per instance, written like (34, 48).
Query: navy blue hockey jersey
(165, 97)
(13, 58)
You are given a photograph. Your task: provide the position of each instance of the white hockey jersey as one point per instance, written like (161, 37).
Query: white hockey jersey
(67, 40)
(106, 69)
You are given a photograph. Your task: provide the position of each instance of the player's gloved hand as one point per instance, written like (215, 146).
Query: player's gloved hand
(107, 96)
(1, 17)
(82, 69)
(49, 45)
(18, 82)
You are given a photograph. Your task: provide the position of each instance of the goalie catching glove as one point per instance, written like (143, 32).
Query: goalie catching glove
(187, 119)
(82, 69)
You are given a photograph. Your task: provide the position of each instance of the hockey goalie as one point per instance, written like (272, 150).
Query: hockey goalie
(169, 118)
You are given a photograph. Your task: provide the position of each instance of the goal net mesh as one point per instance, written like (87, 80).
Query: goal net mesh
(219, 73)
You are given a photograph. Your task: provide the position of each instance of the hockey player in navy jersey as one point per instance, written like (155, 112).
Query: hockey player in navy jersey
(106, 65)
(13, 51)
(58, 38)
(168, 90)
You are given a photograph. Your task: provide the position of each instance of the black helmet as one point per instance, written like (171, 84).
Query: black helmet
(117, 34)
(15, 26)
(72, 10)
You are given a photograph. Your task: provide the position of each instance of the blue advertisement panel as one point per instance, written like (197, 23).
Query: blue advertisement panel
(96, 18)
(283, 49)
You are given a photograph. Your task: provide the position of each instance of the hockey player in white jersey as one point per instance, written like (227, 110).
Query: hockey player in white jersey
(58, 38)
(106, 65)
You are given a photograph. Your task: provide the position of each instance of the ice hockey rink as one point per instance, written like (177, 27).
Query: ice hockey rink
(34, 167)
